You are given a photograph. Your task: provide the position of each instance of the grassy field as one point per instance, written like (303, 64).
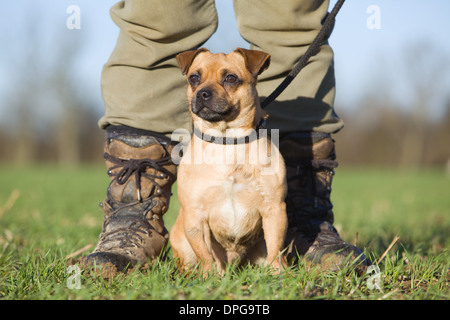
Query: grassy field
(47, 213)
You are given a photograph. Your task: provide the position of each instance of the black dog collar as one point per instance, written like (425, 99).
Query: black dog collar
(231, 140)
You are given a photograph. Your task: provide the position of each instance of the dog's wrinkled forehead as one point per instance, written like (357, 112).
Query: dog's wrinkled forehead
(250, 61)
(217, 65)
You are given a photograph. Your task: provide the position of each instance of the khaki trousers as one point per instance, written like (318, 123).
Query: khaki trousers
(142, 85)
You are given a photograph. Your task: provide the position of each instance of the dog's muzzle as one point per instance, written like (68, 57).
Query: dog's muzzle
(210, 107)
(201, 99)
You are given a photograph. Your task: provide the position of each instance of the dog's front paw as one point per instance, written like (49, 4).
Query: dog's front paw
(278, 265)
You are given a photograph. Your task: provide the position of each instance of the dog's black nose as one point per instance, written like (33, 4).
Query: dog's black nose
(204, 94)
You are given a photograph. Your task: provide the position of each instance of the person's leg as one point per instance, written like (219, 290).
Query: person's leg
(142, 85)
(305, 116)
(145, 100)
(285, 30)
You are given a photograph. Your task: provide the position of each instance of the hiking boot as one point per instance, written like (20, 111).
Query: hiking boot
(310, 163)
(141, 175)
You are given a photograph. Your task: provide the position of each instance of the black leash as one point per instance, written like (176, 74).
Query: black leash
(312, 50)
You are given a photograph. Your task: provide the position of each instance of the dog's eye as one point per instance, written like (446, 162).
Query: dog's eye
(194, 79)
(231, 78)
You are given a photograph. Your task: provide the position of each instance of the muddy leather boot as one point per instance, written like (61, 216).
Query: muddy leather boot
(310, 163)
(141, 175)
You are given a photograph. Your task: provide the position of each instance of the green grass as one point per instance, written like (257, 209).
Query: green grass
(47, 213)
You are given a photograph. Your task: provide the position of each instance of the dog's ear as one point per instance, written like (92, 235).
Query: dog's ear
(185, 59)
(256, 61)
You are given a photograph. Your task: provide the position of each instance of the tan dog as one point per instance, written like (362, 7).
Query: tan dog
(231, 191)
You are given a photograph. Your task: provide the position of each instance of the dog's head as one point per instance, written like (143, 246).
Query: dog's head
(222, 86)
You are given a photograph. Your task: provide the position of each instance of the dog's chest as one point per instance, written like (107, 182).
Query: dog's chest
(235, 217)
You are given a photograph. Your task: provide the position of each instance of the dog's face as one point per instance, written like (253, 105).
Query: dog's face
(222, 86)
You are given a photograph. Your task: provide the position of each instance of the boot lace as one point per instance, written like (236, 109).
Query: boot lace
(138, 168)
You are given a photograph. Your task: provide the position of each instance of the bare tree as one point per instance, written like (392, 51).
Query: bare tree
(44, 100)
(426, 67)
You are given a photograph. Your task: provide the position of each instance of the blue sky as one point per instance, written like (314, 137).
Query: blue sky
(364, 58)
